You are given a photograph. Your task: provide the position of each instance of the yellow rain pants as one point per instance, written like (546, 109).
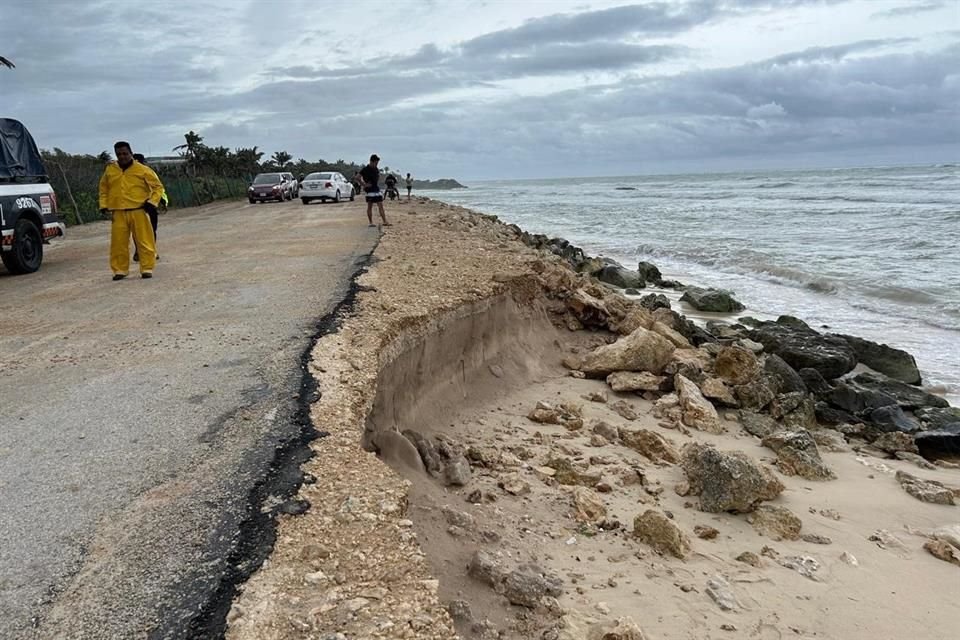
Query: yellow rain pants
(136, 222)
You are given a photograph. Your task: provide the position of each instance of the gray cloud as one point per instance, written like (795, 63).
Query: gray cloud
(913, 8)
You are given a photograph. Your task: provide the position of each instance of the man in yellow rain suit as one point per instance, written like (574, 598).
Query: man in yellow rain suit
(130, 190)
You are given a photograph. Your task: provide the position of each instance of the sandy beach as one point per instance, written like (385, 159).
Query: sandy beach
(477, 475)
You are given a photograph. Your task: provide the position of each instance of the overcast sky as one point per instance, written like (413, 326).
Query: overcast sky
(496, 89)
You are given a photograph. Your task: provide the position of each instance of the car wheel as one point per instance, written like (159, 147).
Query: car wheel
(305, 200)
(351, 194)
(336, 198)
(252, 201)
(27, 252)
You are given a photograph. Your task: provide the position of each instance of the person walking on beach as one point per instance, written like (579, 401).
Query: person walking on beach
(409, 182)
(154, 217)
(130, 191)
(370, 175)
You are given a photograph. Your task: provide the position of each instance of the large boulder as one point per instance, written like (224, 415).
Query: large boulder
(713, 300)
(654, 301)
(790, 380)
(758, 393)
(892, 362)
(620, 277)
(939, 442)
(892, 418)
(642, 350)
(527, 585)
(937, 417)
(798, 455)
(589, 310)
(634, 381)
(674, 337)
(736, 365)
(649, 272)
(907, 396)
(727, 481)
(633, 319)
(697, 411)
(758, 424)
(587, 505)
(857, 400)
(661, 533)
(796, 410)
(802, 347)
(926, 490)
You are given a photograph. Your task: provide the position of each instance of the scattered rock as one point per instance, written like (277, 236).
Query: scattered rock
(514, 484)
(596, 396)
(661, 533)
(894, 442)
(642, 350)
(886, 540)
(705, 532)
(654, 301)
(815, 538)
(934, 418)
(714, 300)
(849, 558)
(634, 381)
(605, 430)
(750, 558)
(830, 440)
(588, 310)
(598, 441)
(428, 453)
(795, 410)
(622, 629)
(528, 584)
(892, 418)
(757, 393)
(775, 522)
(649, 272)
(926, 490)
(620, 277)
(719, 590)
(457, 518)
(625, 410)
(892, 362)
(804, 565)
(589, 508)
(943, 551)
(459, 610)
(727, 481)
(457, 471)
(920, 461)
(651, 445)
(485, 568)
(567, 473)
(674, 337)
(697, 412)
(797, 455)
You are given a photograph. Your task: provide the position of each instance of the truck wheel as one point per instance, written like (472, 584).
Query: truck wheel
(27, 252)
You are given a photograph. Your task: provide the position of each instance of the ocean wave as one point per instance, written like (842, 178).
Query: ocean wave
(832, 199)
(775, 185)
(902, 294)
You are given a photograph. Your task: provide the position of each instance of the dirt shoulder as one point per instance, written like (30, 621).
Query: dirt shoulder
(508, 498)
(138, 415)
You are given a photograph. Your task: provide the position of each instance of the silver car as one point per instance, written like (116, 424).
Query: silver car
(325, 185)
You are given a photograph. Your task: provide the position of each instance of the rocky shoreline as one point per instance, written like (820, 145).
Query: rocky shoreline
(523, 445)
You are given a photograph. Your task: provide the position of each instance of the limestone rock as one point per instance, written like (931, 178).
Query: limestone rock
(458, 518)
(750, 558)
(757, 393)
(625, 410)
(634, 319)
(830, 440)
(705, 532)
(926, 490)
(727, 481)
(895, 441)
(514, 484)
(651, 445)
(428, 453)
(790, 380)
(720, 592)
(634, 381)
(673, 336)
(621, 629)
(697, 412)
(797, 455)
(943, 551)
(661, 533)
(589, 310)
(607, 431)
(485, 568)
(796, 410)
(775, 522)
(588, 505)
(736, 365)
(641, 350)
(528, 584)
(715, 389)
(668, 408)
(457, 471)
(568, 474)
(758, 424)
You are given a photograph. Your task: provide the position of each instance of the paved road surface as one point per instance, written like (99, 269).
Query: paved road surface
(135, 416)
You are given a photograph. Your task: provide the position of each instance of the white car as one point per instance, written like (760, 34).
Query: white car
(327, 185)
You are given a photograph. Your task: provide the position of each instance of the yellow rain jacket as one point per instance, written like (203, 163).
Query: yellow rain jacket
(129, 189)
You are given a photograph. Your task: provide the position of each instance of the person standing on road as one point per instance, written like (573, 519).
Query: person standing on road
(130, 191)
(409, 182)
(153, 216)
(370, 175)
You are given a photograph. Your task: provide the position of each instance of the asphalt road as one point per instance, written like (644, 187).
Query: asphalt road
(135, 416)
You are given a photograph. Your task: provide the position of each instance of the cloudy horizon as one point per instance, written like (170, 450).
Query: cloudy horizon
(482, 90)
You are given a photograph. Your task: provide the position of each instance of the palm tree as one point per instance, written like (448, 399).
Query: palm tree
(281, 158)
(6, 63)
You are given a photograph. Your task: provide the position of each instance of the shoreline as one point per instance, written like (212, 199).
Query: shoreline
(457, 323)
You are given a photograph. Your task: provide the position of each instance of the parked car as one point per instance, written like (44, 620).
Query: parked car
(28, 205)
(326, 185)
(272, 186)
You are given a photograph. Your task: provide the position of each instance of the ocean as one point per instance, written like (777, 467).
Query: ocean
(873, 252)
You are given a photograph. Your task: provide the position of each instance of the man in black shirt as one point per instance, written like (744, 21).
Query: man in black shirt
(371, 185)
